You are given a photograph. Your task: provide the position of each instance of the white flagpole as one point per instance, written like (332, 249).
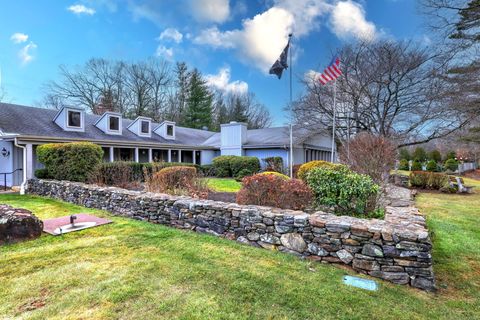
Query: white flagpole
(334, 119)
(291, 99)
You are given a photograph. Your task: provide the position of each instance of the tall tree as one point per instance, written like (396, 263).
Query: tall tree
(199, 103)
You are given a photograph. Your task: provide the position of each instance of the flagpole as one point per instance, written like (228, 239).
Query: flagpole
(291, 100)
(334, 118)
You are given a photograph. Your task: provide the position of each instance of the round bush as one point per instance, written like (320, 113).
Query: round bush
(432, 166)
(74, 161)
(42, 174)
(251, 164)
(222, 166)
(274, 191)
(242, 174)
(403, 165)
(278, 174)
(306, 167)
(416, 166)
(348, 192)
(451, 165)
(171, 179)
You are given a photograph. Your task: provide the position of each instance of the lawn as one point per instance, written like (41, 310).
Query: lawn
(136, 270)
(223, 184)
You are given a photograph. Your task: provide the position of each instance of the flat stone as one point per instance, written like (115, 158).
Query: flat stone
(423, 283)
(413, 246)
(293, 241)
(395, 277)
(316, 250)
(372, 250)
(268, 238)
(267, 246)
(337, 226)
(368, 265)
(281, 228)
(345, 256)
(392, 268)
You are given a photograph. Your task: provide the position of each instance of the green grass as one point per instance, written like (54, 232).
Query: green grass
(136, 270)
(223, 184)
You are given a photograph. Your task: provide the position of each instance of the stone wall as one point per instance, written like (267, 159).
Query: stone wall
(18, 225)
(397, 249)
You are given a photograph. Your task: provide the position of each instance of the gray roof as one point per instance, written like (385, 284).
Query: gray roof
(38, 122)
(267, 137)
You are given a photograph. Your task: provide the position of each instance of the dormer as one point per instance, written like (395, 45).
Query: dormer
(142, 126)
(110, 123)
(166, 130)
(71, 119)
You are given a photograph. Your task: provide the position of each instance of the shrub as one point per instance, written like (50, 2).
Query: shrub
(451, 165)
(177, 180)
(73, 161)
(450, 155)
(230, 166)
(237, 164)
(348, 192)
(278, 174)
(274, 164)
(296, 168)
(207, 170)
(222, 166)
(432, 166)
(404, 154)
(416, 165)
(306, 167)
(428, 180)
(42, 174)
(404, 165)
(419, 154)
(371, 155)
(435, 155)
(118, 174)
(275, 191)
(243, 173)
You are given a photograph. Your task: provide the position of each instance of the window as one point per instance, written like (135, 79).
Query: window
(75, 119)
(113, 123)
(145, 127)
(170, 130)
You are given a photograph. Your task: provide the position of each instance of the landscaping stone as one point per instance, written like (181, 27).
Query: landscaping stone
(18, 225)
(396, 249)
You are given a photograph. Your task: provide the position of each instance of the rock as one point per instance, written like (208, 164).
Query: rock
(424, 284)
(372, 250)
(413, 246)
(395, 277)
(337, 226)
(391, 252)
(243, 240)
(281, 228)
(316, 250)
(293, 241)
(18, 225)
(253, 236)
(392, 268)
(369, 265)
(268, 238)
(267, 246)
(345, 256)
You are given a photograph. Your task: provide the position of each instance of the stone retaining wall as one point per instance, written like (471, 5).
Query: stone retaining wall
(397, 249)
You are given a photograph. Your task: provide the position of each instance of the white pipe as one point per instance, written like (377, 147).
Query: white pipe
(24, 170)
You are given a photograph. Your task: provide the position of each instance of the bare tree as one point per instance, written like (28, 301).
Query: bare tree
(391, 89)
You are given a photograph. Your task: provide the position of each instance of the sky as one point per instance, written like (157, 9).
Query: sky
(232, 42)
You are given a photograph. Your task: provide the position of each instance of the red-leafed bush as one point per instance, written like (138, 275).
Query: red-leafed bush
(274, 191)
(178, 181)
(371, 155)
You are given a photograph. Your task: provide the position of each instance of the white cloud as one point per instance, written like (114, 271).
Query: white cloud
(79, 9)
(221, 81)
(19, 37)
(311, 77)
(164, 52)
(261, 40)
(172, 34)
(210, 10)
(348, 19)
(26, 53)
(306, 13)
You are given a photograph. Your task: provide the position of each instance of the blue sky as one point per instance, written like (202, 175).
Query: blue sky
(232, 42)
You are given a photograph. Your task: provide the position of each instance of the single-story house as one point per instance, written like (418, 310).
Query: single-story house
(23, 128)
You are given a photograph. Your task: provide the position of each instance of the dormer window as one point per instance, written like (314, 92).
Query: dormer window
(70, 119)
(114, 123)
(74, 119)
(145, 127)
(170, 130)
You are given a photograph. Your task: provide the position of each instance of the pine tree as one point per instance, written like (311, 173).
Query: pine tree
(239, 111)
(198, 113)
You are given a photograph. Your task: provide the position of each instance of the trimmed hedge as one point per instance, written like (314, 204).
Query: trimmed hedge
(428, 180)
(306, 167)
(42, 174)
(235, 166)
(278, 174)
(347, 192)
(74, 161)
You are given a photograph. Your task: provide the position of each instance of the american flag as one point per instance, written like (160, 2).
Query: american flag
(332, 72)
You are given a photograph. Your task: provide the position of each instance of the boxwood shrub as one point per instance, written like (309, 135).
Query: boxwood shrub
(235, 166)
(306, 167)
(451, 165)
(345, 191)
(73, 161)
(222, 166)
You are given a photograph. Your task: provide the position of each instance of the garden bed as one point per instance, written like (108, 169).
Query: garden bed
(397, 249)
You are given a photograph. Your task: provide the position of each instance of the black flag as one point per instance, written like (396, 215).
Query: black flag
(281, 62)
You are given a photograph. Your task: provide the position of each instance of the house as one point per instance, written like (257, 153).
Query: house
(23, 128)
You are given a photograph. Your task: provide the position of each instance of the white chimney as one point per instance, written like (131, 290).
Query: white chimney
(232, 137)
